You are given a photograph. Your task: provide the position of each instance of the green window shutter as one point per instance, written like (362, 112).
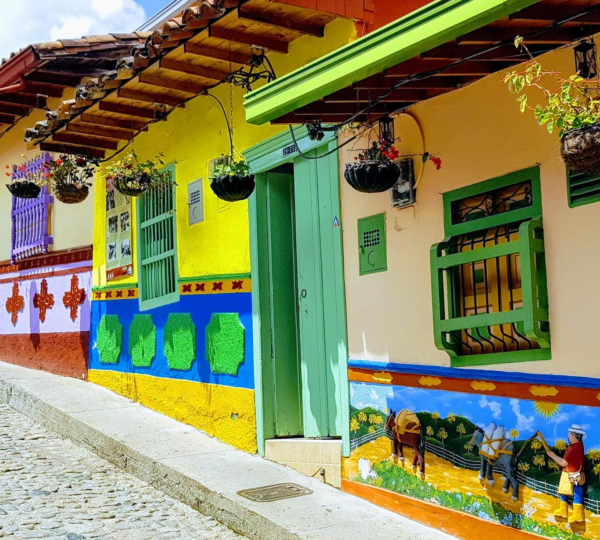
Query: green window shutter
(489, 290)
(157, 247)
(372, 250)
(582, 188)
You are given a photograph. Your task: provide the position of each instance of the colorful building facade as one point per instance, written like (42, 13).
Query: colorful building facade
(468, 290)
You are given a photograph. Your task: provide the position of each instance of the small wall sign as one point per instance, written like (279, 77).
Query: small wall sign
(291, 149)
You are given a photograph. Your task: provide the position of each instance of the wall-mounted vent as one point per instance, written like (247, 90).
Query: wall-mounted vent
(404, 193)
(583, 188)
(372, 251)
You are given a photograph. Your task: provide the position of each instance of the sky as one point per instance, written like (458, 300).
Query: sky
(519, 414)
(33, 21)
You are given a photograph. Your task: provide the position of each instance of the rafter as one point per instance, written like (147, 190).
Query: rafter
(283, 23)
(319, 109)
(235, 57)
(457, 52)
(108, 121)
(50, 90)
(28, 100)
(63, 148)
(16, 110)
(489, 35)
(126, 110)
(379, 82)
(364, 96)
(248, 39)
(148, 97)
(100, 131)
(552, 13)
(59, 79)
(414, 67)
(182, 86)
(7, 119)
(84, 140)
(193, 69)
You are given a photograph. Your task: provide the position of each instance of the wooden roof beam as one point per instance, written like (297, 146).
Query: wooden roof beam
(121, 123)
(126, 110)
(63, 148)
(379, 82)
(7, 119)
(16, 110)
(193, 69)
(248, 39)
(490, 35)
(293, 119)
(553, 13)
(27, 100)
(84, 140)
(59, 79)
(414, 67)
(509, 52)
(283, 23)
(364, 96)
(155, 79)
(198, 49)
(100, 131)
(50, 90)
(149, 97)
(318, 109)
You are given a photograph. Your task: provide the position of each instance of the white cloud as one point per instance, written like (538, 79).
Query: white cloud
(493, 406)
(524, 423)
(30, 21)
(374, 395)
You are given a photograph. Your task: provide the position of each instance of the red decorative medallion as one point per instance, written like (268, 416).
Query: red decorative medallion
(15, 303)
(43, 300)
(237, 285)
(187, 288)
(74, 298)
(200, 287)
(217, 286)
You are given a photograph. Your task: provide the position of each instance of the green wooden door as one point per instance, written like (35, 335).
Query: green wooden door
(322, 330)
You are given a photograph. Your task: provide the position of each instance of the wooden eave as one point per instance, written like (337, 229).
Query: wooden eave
(429, 74)
(191, 54)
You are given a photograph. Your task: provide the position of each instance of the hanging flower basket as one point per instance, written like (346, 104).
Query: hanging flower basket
(580, 149)
(24, 189)
(133, 178)
(372, 176)
(232, 182)
(71, 193)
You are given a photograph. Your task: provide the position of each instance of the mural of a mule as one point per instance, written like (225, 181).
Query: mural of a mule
(495, 449)
(407, 431)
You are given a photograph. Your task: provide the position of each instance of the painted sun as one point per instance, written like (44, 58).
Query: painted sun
(546, 409)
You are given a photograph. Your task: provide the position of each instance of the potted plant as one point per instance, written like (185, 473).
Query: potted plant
(571, 107)
(69, 176)
(374, 170)
(232, 180)
(133, 177)
(25, 184)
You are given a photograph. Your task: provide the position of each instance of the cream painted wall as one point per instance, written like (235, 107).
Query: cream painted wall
(71, 224)
(479, 133)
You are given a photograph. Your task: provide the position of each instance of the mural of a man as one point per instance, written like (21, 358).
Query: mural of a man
(572, 478)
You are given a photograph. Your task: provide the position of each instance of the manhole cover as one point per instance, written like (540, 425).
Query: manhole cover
(274, 492)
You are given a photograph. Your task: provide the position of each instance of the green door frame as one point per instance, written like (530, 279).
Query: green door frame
(263, 157)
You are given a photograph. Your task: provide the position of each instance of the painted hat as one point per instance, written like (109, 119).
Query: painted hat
(576, 428)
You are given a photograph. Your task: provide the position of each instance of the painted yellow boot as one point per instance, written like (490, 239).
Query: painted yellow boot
(578, 514)
(562, 511)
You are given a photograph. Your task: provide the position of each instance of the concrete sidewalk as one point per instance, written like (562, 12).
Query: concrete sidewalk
(196, 468)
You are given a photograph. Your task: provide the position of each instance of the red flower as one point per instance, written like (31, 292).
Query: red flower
(7, 174)
(22, 168)
(59, 162)
(8, 166)
(81, 161)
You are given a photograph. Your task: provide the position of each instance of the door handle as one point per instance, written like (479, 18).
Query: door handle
(303, 293)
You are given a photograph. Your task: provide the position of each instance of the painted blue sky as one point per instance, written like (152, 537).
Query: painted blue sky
(516, 414)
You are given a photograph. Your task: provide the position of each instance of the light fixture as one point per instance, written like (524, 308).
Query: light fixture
(585, 59)
(315, 131)
(386, 129)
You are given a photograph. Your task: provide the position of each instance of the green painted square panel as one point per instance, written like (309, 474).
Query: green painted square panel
(372, 248)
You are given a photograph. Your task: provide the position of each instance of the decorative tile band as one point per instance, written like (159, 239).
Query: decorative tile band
(216, 286)
(125, 293)
(52, 259)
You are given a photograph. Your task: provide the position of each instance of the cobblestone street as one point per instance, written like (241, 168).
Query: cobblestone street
(50, 488)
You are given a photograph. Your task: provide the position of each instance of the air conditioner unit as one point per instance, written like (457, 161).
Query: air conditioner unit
(403, 193)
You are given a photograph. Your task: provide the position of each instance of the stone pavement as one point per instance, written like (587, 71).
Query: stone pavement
(194, 468)
(53, 489)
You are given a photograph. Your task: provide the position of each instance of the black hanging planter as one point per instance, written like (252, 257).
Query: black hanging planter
(123, 185)
(24, 189)
(580, 149)
(71, 193)
(372, 176)
(233, 188)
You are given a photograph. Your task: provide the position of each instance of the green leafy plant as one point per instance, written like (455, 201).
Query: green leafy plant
(75, 170)
(570, 103)
(137, 174)
(230, 167)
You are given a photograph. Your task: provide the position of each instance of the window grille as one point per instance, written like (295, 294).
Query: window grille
(582, 188)
(157, 247)
(30, 218)
(489, 276)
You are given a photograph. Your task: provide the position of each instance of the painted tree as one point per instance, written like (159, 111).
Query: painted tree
(362, 417)
(442, 435)
(371, 429)
(461, 429)
(435, 415)
(372, 418)
(523, 467)
(379, 420)
(429, 431)
(513, 434)
(451, 418)
(536, 445)
(594, 455)
(539, 460)
(468, 447)
(597, 469)
(553, 465)
(561, 445)
(354, 425)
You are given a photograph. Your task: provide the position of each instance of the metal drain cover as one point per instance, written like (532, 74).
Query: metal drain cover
(274, 492)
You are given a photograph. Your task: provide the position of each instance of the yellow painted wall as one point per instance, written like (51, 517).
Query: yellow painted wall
(221, 411)
(193, 136)
(71, 224)
(479, 133)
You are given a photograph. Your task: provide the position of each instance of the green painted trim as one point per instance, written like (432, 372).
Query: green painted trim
(432, 25)
(533, 355)
(583, 193)
(114, 287)
(268, 154)
(213, 277)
